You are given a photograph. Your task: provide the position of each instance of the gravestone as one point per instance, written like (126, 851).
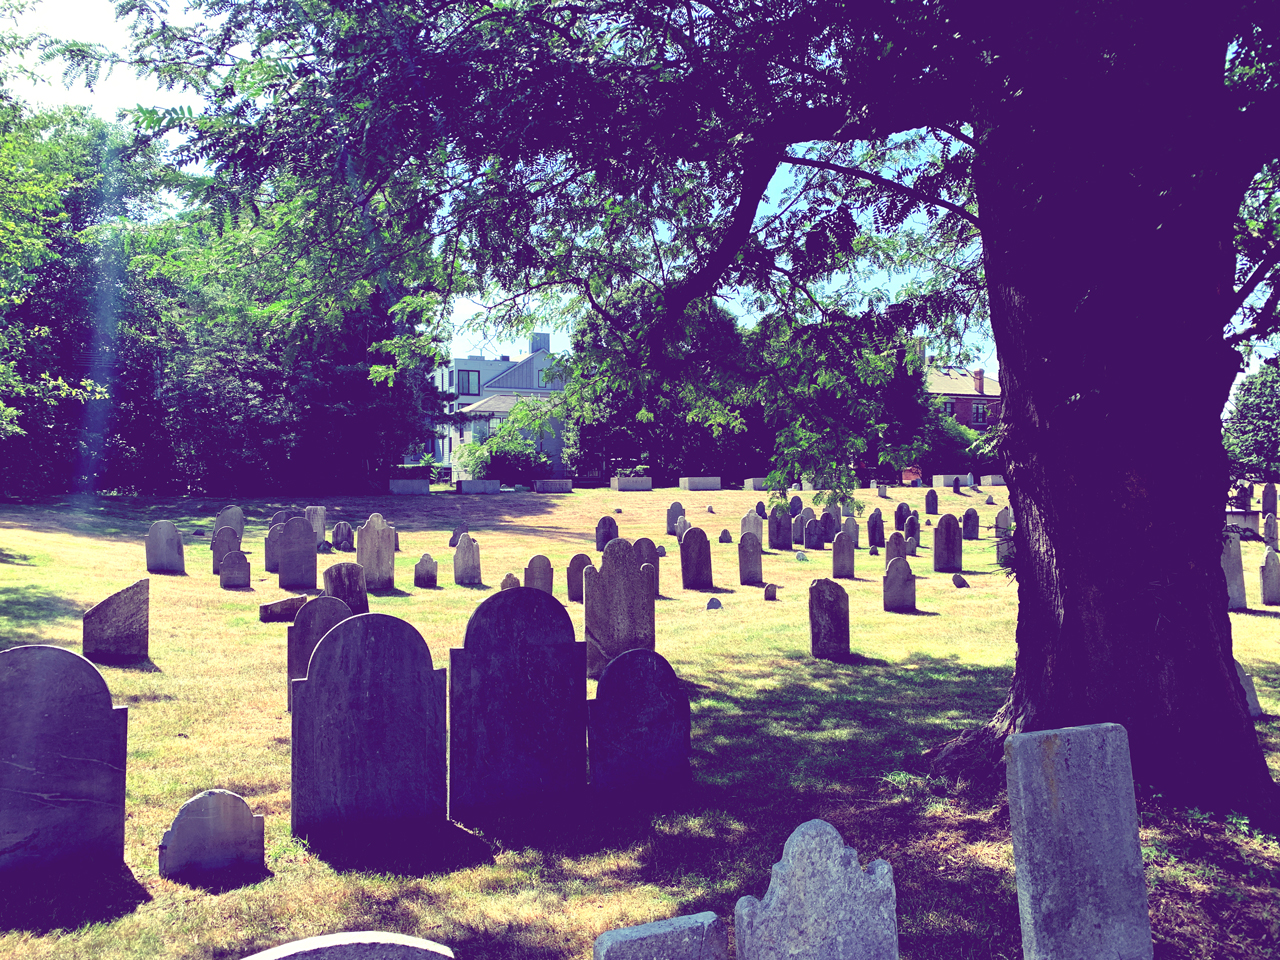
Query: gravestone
(1268, 499)
(955, 485)
(850, 529)
(751, 523)
(760, 510)
(118, 629)
(163, 545)
(990, 501)
(509, 581)
(316, 517)
(971, 524)
(577, 563)
(458, 531)
(314, 620)
(779, 529)
(875, 529)
(538, 574)
(771, 591)
(833, 509)
(948, 548)
(618, 605)
(638, 730)
(1269, 575)
(698, 937)
(1075, 844)
(931, 501)
(842, 557)
(517, 708)
(794, 506)
(899, 587)
(232, 517)
(726, 537)
(828, 620)
(1250, 692)
(797, 530)
(271, 548)
(1269, 531)
(296, 555)
(62, 782)
(376, 552)
(959, 581)
(1233, 570)
(900, 514)
(695, 560)
(710, 509)
(803, 557)
(425, 572)
(280, 611)
(346, 582)
(749, 564)
(662, 550)
(369, 740)
(281, 517)
(813, 536)
(466, 562)
(344, 537)
(1004, 522)
(606, 530)
(912, 546)
(214, 831)
(808, 514)
(895, 548)
(681, 526)
(820, 904)
(233, 572)
(647, 551)
(674, 513)
(225, 539)
(911, 529)
(882, 491)
(828, 526)
(714, 604)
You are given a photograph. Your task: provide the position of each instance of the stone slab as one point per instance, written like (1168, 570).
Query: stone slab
(118, 629)
(410, 486)
(553, 486)
(280, 611)
(701, 936)
(626, 484)
(699, 483)
(487, 487)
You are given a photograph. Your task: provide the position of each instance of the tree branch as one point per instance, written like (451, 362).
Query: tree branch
(1269, 260)
(885, 182)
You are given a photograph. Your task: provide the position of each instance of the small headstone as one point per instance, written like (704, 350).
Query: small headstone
(118, 629)
(466, 562)
(425, 572)
(1233, 570)
(649, 553)
(895, 548)
(344, 537)
(458, 531)
(280, 611)
(538, 574)
(316, 517)
(281, 517)
(873, 552)
(771, 591)
(710, 509)
(1004, 522)
(713, 604)
(225, 539)
(296, 555)
(828, 620)
(931, 501)
(802, 557)
(313, 621)
(698, 937)
(850, 529)
(577, 563)
(808, 513)
(842, 557)
(376, 552)
(618, 605)
(899, 587)
(346, 582)
(911, 529)
(726, 537)
(760, 510)
(794, 506)
(233, 517)
(617, 509)
(928, 523)
(751, 523)
(948, 548)
(233, 572)
(779, 529)
(1269, 575)
(662, 550)
(1250, 692)
(1074, 821)
(695, 560)
(163, 545)
(882, 491)
(681, 526)
(912, 546)
(955, 485)
(674, 513)
(214, 831)
(271, 548)
(959, 581)
(900, 514)
(971, 524)
(813, 536)
(821, 903)
(509, 581)
(797, 530)
(991, 501)
(749, 564)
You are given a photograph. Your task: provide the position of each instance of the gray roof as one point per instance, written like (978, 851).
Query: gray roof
(525, 375)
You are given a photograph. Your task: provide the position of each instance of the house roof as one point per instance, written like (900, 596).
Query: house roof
(958, 382)
(500, 403)
(524, 375)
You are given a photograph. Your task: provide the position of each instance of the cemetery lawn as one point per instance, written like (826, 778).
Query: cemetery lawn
(778, 738)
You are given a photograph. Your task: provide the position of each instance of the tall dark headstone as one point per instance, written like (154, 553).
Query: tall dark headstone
(606, 530)
(695, 560)
(749, 566)
(271, 548)
(639, 732)
(970, 528)
(1268, 499)
(344, 538)
(225, 539)
(829, 526)
(618, 606)
(931, 502)
(760, 510)
(900, 514)
(458, 531)
(911, 529)
(164, 548)
(346, 582)
(875, 529)
(316, 618)
(573, 579)
(955, 485)
(896, 547)
(118, 629)
(674, 513)
(779, 529)
(813, 539)
(797, 530)
(795, 505)
(296, 554)
(828, 620)
(948, 548)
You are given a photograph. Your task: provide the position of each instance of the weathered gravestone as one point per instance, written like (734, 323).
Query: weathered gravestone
(895, 549)
(959, 581)
(296, 555)
(808, 514)
(1269, 576)
(233, 572)
(779, 529)
(313, 621)
(828, 620)
(695, 560)
(638, 730)
(1004, 522)
(726, 537)
(955, 485)
(344, 537)
(813, 536)
(912, 546)
(911, 529)
(990, 501)
(850, 529)
(970, 528)
(577, 563)
(118, 629)
(648, 553)
(280, 611)
(820, 904)
(749, 564)
(282, 517)
(1269, 531)
(771, 591)
(164, 548)
(842, 557)
(882, 491)
(376, 552)
(698, 937)
(875, 529)
(931, 501)
(63, 775)
(538, 574)
(1250, 691)
(509, 581)
(714, 604)
(681, 526)
(316, 517)
(1075, 844)
(233, 517)
(900, 514)
(948, 548)
(794, 506)
(346, 582)
(225, 539)
(1233, 570)
(1268, 499)
(357, 945)
(618, 605)
(517, 708)
(761, 512)
(214, 831)
(369, 741)
(751, 523)
(425, 572)
(458, 531)
(797, 530)
(674, 513)
(828, 526)
(899, 587)
(271, 548)
(606, 530)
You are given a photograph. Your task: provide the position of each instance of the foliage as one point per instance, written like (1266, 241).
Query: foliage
(506, 455)
(1251, 434)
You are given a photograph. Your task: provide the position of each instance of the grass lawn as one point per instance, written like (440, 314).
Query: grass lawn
(778, 738)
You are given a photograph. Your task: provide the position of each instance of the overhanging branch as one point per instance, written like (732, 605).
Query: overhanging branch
(887, 183)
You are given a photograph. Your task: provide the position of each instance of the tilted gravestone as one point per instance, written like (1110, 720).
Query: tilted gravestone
(466, 562)
(296, 554)
(369, 739)
(813, 539)
(828, 620)
(647, 551)
(899, 586)
(931, 501)
(948, 548)
(346, 582)
(280, 611)
(751, 523)
(701, 936)
(797, 530)
(1268, 499)
(118, 629)
(225, 539)
(695, 560)
(271, 548)
(828, 526)
(1269, 576)
(214, 831)
(509, 581)
(62, 782)
(638, 729)
(606, 530)
(911, 529)
(779, 529)
(1004, 522)
(577, 563)
(970, 528)
(900, 514)
(1233, 570)
(163, 545)
(959, 581)
(749, 565)
(425, 572)
(674, 513)
(458, 531)
(344, 537)
(820, 904)
(794, 506)
(517, 708)
(376, 552)
(232, 517)
(1077, 862)
(850, 529)
(316, 517)
(618, 606)
(842, 557)
(895, 548)
(314, 620)
(233, 572)
(875, 529)
(539, 575)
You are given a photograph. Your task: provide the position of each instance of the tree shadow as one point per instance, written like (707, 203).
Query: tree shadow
(393, 592)
(27, 608)
(67, 896)
(17, 559)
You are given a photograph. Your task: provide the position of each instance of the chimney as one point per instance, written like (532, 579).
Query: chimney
(978, 384)
(540, 341)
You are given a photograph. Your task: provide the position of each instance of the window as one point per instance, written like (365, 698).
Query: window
(451, 378)
(949, 407)
(979, 413)
(469, 383)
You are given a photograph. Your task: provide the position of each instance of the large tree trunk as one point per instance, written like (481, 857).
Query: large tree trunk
(1107, 202)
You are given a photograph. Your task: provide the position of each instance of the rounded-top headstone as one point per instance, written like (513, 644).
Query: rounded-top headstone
(771, 591)
(214, 831)
(726, 536)
(639, 728)
(760, 511)
(164, 548)
(959, 581)
(509, 581)
(713, 604)
(794, 506)
(230, 516)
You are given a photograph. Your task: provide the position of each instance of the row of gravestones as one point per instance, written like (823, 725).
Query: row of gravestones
(1233, 570)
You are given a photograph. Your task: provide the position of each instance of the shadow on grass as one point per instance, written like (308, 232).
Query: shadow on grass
(1274, 614)
(222, 881)
(393, 592)
(407, 850)
(17, 559)
(67, 896)
(24, 609)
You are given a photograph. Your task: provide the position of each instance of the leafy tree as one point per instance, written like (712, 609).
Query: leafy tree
(1251, 433)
